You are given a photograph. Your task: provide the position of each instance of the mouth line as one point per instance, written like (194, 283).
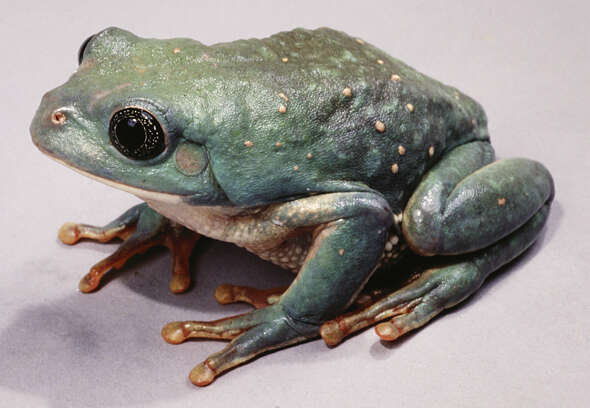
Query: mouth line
(139, 192)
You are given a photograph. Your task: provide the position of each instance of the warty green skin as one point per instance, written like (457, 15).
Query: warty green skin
(223, 95)
(305, 133)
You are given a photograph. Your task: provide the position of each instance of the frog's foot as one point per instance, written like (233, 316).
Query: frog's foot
(140, 228)
(434, 290)
(259, 298)
(408, 308)
(251, 334)
(334, 270)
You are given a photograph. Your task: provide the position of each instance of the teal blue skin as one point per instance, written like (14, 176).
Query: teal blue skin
(220, 96)
(306, 126)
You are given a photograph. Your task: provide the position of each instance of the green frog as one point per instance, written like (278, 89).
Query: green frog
(313, 150)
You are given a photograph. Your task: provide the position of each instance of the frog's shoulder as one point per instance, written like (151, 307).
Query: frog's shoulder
(317, 111)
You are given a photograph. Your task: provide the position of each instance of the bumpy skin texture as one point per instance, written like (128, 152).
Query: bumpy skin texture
(223, 95)
(313, 150)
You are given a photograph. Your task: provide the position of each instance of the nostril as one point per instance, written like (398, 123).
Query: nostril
(57, 117)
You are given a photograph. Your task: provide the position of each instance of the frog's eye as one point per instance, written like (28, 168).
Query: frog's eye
(136, 134)
(83, 48)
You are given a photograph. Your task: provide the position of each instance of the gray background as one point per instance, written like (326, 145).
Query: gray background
(522, 340)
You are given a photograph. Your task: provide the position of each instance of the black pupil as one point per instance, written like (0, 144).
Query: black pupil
(136, 133)
(131, 133)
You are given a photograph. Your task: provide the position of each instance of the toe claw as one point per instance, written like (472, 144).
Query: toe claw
(174, 332)
(331, 333)
(387, 331)
(202, 374)
(179, 283)
(89, 282)
(69, 233)
(224, 294)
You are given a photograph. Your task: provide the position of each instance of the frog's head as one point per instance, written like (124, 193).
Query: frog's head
(120, 119)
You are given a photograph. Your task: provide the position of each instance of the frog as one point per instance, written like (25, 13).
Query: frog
(311, 149)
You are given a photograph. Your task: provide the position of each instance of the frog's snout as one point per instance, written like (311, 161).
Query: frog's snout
(52, 114)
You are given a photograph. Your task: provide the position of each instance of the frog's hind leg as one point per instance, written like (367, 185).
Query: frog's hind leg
(490, 213)
(259, 298)
(435, 289)
(466, 202)
(227, 294)
(140, 228)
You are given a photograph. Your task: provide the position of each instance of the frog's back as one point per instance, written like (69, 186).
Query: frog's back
(320, 111)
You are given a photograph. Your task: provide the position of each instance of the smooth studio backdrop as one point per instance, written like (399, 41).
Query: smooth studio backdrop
(522, 340)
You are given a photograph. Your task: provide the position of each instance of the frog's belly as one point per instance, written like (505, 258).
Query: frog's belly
(221, 223)
(246, 229)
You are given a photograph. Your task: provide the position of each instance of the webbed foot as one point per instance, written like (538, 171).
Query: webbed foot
(259, 298)
(227, 294)
(251, 334)
(140, 228)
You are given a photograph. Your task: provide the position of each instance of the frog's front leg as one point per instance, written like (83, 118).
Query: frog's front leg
(140, 228)
(349, 235)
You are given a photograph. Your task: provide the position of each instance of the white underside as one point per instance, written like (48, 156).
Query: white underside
(231, 224)
(210, 221)
(143, 194)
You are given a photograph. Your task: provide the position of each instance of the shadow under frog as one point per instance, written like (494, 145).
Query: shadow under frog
(57, 352)
(94, 350)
